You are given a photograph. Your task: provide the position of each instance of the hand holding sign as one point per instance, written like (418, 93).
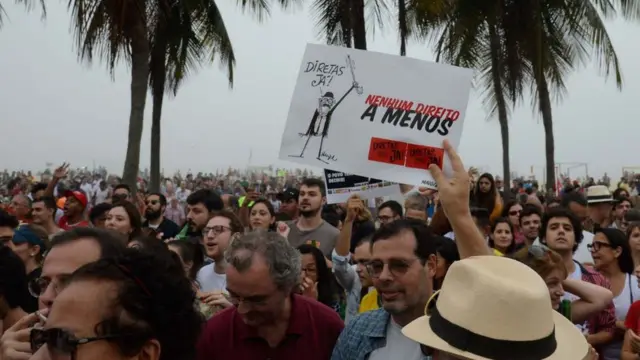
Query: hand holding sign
(453, 191)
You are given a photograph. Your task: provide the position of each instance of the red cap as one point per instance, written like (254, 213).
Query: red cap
(78, 195)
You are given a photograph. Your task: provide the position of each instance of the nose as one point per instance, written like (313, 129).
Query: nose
(242, 308)
(385, 275)
(45, 299)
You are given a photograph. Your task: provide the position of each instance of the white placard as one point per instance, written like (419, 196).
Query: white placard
(340, 186)
(374, 114)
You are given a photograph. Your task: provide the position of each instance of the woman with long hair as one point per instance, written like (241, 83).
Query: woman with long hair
(612, 258)
(485, 195)
(512, 212)
(501, 237)
(125, 218)
(317, 278)
(262, 215)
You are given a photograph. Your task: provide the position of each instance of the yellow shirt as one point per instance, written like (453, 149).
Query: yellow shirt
(497, 252)
(369, 302)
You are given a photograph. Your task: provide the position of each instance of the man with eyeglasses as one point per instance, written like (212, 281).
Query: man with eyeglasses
(389, 211)
(68, 251)
(216, 237)
(155, 206)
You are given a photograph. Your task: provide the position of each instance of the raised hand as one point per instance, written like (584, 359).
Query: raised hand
(62, 171)
(453, 191)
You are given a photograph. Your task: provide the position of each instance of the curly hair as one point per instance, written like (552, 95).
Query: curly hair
(283, 259)
(156, 299)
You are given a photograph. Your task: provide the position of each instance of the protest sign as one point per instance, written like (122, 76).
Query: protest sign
(374, 114)
(340, 186)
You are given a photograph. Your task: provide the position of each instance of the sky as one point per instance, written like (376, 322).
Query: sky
(54, 108)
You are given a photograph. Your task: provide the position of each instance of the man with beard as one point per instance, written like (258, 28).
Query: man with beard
(201, 205)
(155, 205)
(310, 228)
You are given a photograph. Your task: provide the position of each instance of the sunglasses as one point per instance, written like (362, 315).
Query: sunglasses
(60, 341)
(514, 212)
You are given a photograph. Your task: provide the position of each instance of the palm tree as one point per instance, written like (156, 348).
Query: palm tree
(115, 30)
(185, 35)
(28, 4)
(343, 22)
(471, 34)
(557, 36)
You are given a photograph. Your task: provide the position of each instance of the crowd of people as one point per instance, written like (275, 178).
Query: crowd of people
(93, 270)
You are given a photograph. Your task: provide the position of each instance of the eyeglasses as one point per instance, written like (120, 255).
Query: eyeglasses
(38, 286)
(310, 270)
(596, 246)
(61, 341)
(514, 212)
(384, 219)
(256, 300)
(217, 230)
(396, 267)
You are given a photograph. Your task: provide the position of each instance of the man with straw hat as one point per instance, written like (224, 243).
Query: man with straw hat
(402, 267)
(491, 307)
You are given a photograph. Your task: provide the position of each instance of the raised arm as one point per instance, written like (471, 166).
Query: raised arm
(593, 299)
(454, 198)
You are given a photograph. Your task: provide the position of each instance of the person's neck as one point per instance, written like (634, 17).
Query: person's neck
(567, 259)
(219, 265)
(31, 265)
(51, 227)
(408, 316)
(611, 270)
(13, 316)
(157, 221)
(74, 219)
(529, 242)
(310, 222)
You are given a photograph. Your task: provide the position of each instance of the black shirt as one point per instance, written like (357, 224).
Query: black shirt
(168, 228)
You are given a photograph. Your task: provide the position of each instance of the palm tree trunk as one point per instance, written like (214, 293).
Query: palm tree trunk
(139, 78)
(158, 74)
(544, 100)
(402, 26)
(502, 107)
(359, 25)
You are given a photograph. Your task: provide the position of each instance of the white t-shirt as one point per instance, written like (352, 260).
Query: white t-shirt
(398, 346)
(209, 280)
(101, 195)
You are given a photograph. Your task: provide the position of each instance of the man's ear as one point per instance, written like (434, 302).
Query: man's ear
(430, 265)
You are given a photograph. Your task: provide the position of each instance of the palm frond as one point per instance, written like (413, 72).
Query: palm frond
(333, 21)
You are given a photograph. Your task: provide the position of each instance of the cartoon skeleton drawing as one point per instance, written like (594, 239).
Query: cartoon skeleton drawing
(327, 105)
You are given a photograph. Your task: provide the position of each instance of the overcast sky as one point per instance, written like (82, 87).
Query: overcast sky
(54, 109)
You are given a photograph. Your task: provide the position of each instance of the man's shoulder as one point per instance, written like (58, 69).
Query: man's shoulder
(320, 312)
(374, 320)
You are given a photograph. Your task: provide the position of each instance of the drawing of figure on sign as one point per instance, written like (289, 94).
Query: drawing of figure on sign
(323, 114)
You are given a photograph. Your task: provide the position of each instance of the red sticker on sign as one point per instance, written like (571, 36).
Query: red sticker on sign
(387, 151)
(421, 157)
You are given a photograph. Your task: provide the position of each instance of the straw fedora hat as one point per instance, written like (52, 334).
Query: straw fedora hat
(598, 194)
(495, 308)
